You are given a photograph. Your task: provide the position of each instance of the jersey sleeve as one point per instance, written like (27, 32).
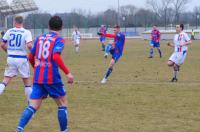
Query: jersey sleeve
(6, 37)
(59, 45)
(28, 37)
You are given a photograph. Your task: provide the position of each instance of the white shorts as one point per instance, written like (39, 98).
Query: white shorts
(17, 66)
(178, 57)
(76, 42)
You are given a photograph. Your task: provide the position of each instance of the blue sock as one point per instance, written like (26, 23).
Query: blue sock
(108, 48)
(103, 46)
(62, 118)
(151, 52)
(26, 117)
(109, 71)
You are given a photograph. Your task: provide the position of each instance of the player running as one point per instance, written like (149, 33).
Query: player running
(181, 41)
(76, 36)
(116, 50)
(102, 39)
(155, 42)
(46, 59)
(15, 42)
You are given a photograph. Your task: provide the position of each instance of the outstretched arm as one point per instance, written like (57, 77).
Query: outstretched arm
(107, 35)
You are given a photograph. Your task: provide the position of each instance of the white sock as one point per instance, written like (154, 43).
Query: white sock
(2, 88)
(77, 49)
(28, 91)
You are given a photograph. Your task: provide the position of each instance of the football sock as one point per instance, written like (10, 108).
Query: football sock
(26, 117)
(160, 53)
(151, 52)
(28, 91)
(77, 49)
(109, 71)
(2, 87)
(108, 48)
(62, 118)
(103, 46)
(175, 74)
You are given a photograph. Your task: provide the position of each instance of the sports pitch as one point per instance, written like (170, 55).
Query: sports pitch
(137, 98)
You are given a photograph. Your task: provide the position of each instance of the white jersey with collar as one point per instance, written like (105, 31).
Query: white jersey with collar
(76, 35)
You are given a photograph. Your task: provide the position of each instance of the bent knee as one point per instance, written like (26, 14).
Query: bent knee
(170, 63)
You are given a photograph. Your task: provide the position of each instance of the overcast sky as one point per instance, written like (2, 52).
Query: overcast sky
(60, 6)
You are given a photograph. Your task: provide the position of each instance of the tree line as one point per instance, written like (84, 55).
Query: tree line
(159, 12)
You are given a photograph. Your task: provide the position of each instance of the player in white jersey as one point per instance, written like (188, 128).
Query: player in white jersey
(15, 42)
(76, 36)
(181, 41)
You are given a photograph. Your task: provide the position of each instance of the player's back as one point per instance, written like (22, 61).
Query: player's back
(46, 70)
(16, 39)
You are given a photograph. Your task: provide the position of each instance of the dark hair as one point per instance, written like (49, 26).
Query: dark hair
(55, 23)
(116, 26)
(155, 25)
(182, 26)
(19, 19)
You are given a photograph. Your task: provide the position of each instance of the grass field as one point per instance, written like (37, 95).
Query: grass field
(137, 98)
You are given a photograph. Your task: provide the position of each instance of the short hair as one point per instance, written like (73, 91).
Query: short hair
(181, 26)
(19, 19)
(116, 26)
(55, 23)
(155, 25)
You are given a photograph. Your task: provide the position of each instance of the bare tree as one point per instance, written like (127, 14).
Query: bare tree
(179, 6)
(160, 8)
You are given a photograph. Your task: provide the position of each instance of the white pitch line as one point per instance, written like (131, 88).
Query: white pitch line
(130, 82)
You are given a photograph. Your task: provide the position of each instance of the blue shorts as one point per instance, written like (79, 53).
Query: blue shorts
(102, 39)
(115, 56)
(43, 90)
(155, 44)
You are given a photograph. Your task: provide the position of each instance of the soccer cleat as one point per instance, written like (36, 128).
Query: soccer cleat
(174, 80)
(150, 57)
(103, 81)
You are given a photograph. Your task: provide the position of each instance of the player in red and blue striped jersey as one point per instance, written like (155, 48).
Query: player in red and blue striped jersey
(116, 50)
(46, 60)
(155, 42)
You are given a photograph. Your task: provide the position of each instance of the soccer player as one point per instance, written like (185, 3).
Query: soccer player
(76, 36)
(46, 59)
(155, 42)
(181, 41)
(116, 50)
(103, 30)
(15, 42)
